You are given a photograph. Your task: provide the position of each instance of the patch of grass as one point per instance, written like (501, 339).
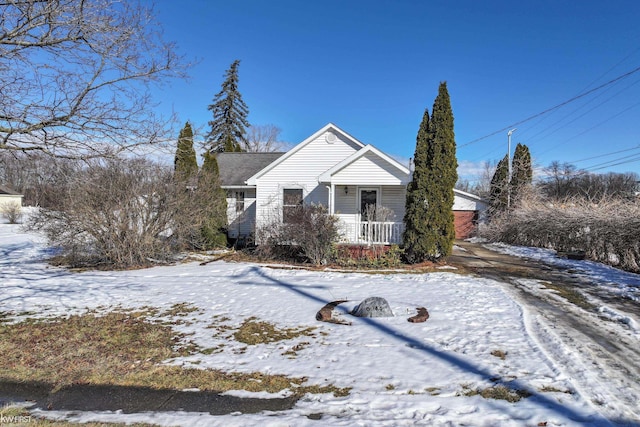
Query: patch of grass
(570, 295)
(253, 331)
(551, 389)
(212, 350)
(180, 309)
(433, 391)
(293, 351)
(390, 387)
(86, 348)
(499, 354)
(176, 377)
(499, 392)
(5, 317)
(121, 348)
(18, 416)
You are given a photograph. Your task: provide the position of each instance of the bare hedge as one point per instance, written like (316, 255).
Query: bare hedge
(122, 213)
(309, 233)
(607, 231)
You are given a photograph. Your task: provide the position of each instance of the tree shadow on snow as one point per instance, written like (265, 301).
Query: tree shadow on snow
(419, 345)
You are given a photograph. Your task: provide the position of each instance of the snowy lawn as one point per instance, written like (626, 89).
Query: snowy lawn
(401, 373)
(626, 285)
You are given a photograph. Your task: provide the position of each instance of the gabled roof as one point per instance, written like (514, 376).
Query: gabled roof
(329, 126)
(8, 191)
(326, 177)
(235, 168)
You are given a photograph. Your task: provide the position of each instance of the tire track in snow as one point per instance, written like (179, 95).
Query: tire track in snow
(601, 358)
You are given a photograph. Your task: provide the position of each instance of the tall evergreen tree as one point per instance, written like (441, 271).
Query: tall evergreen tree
(522, 170)
(186, 165)
(430, 231)
(415, 216)
(229, 124)
(213, 230)
(499, 186)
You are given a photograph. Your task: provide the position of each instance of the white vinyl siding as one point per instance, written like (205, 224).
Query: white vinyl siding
(241, 222)
(394, 198)
(346, 204)
(462, 203)
(301, 170)
(369, 169)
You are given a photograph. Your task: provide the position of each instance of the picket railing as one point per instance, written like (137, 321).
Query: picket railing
(372, 232)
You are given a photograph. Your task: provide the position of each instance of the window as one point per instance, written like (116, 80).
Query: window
(239, 201)
(291, 200)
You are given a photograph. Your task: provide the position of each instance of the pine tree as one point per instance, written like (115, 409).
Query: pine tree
(229, 124)
(213, 231)
(499, 186)
(415, 216)
(522, 171)
(430, 231)
(186, 165)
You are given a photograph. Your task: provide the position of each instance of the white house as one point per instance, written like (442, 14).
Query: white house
(362, 186)
(9, 198)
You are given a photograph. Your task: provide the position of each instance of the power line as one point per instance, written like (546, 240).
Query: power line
(606, 154)
(582, 95)
(609, 164)
(581, 115)
(613, 162)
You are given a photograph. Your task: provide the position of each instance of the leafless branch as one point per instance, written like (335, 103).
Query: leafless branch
(75, 76)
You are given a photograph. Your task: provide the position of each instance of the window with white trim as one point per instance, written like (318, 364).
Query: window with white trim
(291, 200)
(239, 201)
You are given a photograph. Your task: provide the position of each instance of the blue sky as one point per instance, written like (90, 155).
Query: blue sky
(372, 67)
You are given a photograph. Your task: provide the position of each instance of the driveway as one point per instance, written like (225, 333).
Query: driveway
(562, 306)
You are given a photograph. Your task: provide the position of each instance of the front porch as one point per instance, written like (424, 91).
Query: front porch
(367, 192)
(369, 215)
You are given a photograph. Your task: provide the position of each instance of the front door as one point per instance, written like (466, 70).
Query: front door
(368, 203)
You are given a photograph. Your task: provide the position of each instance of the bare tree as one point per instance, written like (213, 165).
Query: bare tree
(39, 177)
(481, 185)
(124, 213)
(75, 76)
(559, 179)
(264, 138)
(565, 181)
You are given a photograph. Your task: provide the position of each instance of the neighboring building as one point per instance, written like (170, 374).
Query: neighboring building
(468, 210)
(362, 186)
(8, 198)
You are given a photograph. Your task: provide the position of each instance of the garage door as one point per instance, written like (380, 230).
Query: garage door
(465, 223)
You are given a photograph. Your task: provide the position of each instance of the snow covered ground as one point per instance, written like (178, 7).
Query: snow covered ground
(613, 280)
(401, 373)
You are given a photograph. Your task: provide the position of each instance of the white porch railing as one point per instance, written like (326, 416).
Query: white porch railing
(372, 232)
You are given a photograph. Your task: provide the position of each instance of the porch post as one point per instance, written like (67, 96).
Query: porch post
(332, 198)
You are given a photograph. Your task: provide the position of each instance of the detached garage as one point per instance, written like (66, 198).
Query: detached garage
(468, 210)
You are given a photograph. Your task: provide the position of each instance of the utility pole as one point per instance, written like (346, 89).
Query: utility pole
(509, 163)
